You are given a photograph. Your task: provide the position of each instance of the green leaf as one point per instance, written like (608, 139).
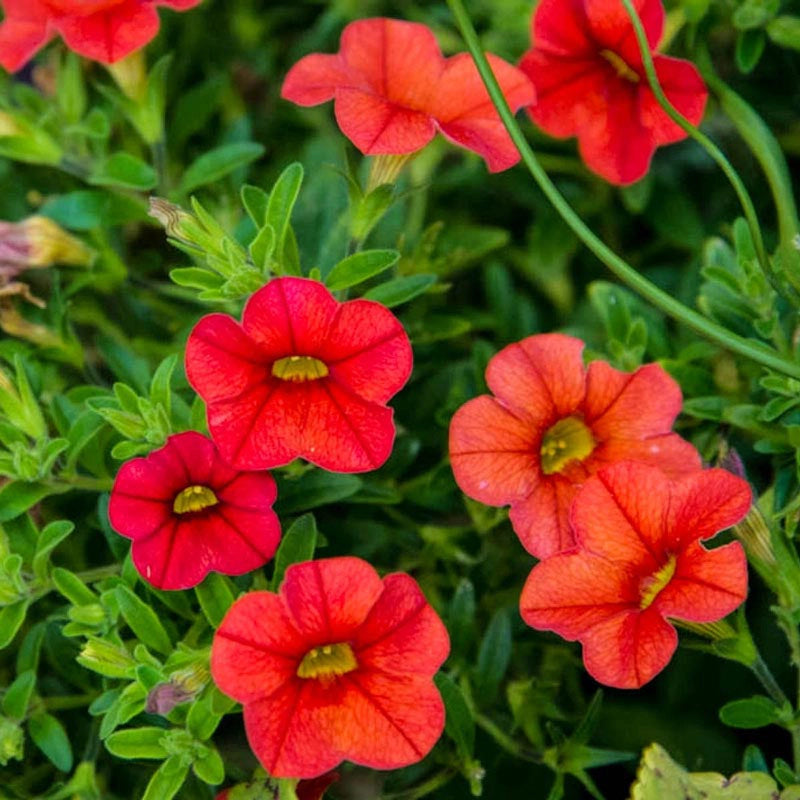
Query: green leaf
(49, 736)
(202, 720)
(359, 267)
(752, 712)
(210, 768)
(125, 171)
(298, 544)
(660, 778)
(195, 278)
(142, 620)
(262, 248)
(314, 488)
(18, 695)
(749, 49)
(72, 587)
(87, 209)
(50, 536)
(215, 597)
(279, 210)
(137, 743)
(167, 780)
(461, 619)
(17, 497)
(459, 724)
(160, 391)
(785, 31)
(400, 290)
(493, 657)
(218, 163)
(255, 201)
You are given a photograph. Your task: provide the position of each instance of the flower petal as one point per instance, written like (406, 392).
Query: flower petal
(108, 36)
(707, 584)
(330, 598)
(541, 378)
(314, 79)
(611, 27)
(629, 649)
(541, 520)
(23, 32)
(492, 452)
(367, 350)
(630, 405)
(560, 27)
(671, 454)
(256, 648)
(402, 633)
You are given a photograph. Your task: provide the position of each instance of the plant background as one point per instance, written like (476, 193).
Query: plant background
(505, 267)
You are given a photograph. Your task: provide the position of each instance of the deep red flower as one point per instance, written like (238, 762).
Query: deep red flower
(553, 423)
(337, 665)
(103, 30)
(303, 375)
(590, 83)
(393, 89)
(638, 560)
(188, 513)
(263, 789)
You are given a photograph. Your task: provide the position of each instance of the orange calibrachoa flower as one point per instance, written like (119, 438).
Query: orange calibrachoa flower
(303, 375)
(103, 30)
(552, 424)
(337, 665)
(587, 70)
(638, 560)
(189, 512)
(393, 89)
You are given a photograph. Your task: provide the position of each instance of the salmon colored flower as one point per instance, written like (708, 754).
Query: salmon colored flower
(393, 90)
(638, 560)
(552, 424)
(188, 513)
(587, 70)
(103, 30)
(303, 375)
(337, 665)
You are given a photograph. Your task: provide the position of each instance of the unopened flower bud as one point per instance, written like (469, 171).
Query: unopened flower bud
(107, 658)
(182, 686)
(754, 534)
(170, 216)
(38, 242)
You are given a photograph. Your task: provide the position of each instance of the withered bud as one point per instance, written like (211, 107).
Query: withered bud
(38, 242)
(169, 215)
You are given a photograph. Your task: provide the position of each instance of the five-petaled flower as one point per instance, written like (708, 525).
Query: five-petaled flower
(393, 89)
(303, 375)
(337, 665)
(638, 560)
(189, 512)
(590, 82)
(552, 424)
(103, 30)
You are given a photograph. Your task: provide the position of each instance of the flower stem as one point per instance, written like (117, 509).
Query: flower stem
(508, 743)
(767, 680)
(425, 788)
(699, 137)
(755, 351)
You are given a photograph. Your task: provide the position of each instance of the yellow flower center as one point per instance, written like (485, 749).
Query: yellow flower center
(650, 587)
(328, 661)
(194, 498)
(299, 368)
(620, 67)
(568, 440)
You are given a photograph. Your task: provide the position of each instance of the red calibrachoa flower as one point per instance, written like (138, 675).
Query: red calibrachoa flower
(103, 30)
(337, 665)
(638, 560)
(393, 89)
(188, 513)
(552, 424)
(303, 375)
(587, 70)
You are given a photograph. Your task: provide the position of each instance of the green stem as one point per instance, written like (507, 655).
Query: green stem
(754, 351)
(65, 483)
(64, 702)
(508, 743)
(767, 680)
(699, 137)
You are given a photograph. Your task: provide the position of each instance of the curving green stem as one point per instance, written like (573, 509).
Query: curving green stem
(754, 351)
(699, 137)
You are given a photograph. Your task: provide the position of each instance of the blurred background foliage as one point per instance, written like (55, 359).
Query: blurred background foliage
(490, 262)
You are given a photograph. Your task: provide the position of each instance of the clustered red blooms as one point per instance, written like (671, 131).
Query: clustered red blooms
(590, 82)
(303, 375)
(337, 665)
(189, 512)
(551, 424)
(393, 89)
(613, 502)
(103, 30)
